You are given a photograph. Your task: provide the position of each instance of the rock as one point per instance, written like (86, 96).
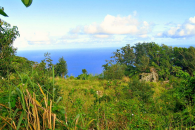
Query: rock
(99, 93)
(149, 77)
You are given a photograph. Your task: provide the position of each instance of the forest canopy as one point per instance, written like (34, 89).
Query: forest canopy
(141, 57)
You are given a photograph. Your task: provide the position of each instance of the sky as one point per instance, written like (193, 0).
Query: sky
(63, 24)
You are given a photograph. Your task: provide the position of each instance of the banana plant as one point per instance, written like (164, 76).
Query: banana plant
(2, 12)
(27, 3)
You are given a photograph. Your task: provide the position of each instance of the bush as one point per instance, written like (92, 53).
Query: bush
(141, 90)
(71, 77)
(82, 76)
(114, 71)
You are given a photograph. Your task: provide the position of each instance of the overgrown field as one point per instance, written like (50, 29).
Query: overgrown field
(33, 97)
(93, 103)
(122, 104)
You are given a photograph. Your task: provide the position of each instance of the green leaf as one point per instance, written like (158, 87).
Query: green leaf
(15, 112)
(20, 121)
(1, 28)
(3, 13)
(59, 98)
(27, 3)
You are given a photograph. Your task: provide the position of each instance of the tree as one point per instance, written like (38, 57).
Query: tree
(142, 56)
(186, 89)
(143, 63)
(114, 71)
(7, 36)
(48, 61)
(185, 58)
(189, 60)
(7, 51)
(61, 68)
(84, 71)
(125, 55)
(22, 64)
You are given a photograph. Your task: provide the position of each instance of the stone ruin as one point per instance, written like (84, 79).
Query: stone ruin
(149, 77)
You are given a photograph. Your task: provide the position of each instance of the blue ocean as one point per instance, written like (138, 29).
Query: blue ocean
(76, 59)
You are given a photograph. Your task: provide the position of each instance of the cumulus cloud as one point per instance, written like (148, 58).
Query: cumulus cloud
(187, 29)
(76, 30)
(101, 36)
(39, 38)
(44, 38)
(70, 36)
(115, 25)
(192, 20)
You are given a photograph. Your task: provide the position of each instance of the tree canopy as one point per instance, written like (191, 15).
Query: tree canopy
(7, 51)
(143, 56)
(61, 68)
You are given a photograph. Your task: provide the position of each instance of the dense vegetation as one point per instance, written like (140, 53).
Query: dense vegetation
(37, 96)
(141, 57)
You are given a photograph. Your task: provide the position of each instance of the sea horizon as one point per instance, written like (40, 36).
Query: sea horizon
(77, 59)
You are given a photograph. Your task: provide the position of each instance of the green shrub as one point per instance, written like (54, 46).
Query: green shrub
(82, 76)
(141, 90)
(71, 77)
(114, 71)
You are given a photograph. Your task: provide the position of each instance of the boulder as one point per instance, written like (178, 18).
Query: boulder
(149, 77)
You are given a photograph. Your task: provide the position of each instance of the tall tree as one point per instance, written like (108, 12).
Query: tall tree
(125, 55)
(114, 71)
(143, 56)
(7, 51)
(7, 36)
(189, 60)
(84, 71)
(61, 68)
(48, 61)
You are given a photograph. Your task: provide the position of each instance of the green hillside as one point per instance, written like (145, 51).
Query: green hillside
(37, 96)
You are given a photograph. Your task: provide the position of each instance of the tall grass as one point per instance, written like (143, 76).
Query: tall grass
(82, 106)
(53, 79)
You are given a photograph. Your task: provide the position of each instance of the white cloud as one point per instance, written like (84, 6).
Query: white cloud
(145, 23)
(159, 34)
(182, 33)
(143, 36)
(119, 25)
(70, 36)
(152, 38)
(116, 25)
(76, 30)
(172, 31)
(192, 20)
(187, 29)
(91, 29)
(101, 36)
(20, 43)
(39, 37)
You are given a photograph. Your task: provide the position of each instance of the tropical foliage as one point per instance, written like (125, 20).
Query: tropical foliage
(37, 96)
(143, 56)
(61, 68)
